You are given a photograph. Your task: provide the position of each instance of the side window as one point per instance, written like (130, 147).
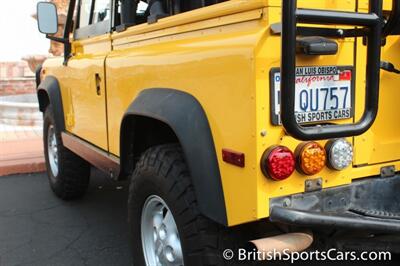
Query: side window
(142, 7)
(94, 18)
(142, 12)
(101, 11)
(84, 13)
(130, 12)
(134, 12)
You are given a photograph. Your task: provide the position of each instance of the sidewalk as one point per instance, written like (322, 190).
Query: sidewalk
(21, 150)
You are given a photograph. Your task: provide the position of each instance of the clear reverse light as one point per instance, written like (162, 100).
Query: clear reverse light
(340, 154)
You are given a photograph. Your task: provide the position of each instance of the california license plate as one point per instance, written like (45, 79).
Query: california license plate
(323, 93)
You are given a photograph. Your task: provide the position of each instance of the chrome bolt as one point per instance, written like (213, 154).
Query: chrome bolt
(169, 254)
(263, 133)
(287, 202)
(162, 232)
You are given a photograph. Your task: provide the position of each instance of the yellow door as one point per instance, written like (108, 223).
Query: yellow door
(86, 79)
(382, 142)
(87, 88)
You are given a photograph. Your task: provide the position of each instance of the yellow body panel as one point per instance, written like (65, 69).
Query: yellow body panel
(222, 55)
(84, 106)
(382, 142)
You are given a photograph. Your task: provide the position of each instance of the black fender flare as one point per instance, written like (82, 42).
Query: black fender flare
(185, 116)
(48, 92)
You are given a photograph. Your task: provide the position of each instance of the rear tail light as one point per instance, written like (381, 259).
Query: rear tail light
(278, 163)
(340, 154)
(311, 158)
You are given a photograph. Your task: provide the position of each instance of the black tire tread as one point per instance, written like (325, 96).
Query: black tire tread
(202, 236)
(74, 172)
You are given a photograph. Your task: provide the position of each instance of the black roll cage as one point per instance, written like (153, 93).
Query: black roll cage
(392, 26)
(372, 23)
(371, 26)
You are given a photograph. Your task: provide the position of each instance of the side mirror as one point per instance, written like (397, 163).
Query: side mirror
(47, 18)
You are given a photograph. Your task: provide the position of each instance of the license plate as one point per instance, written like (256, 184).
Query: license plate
(323, 93)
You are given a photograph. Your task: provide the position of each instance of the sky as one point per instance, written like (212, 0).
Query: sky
(19, 33)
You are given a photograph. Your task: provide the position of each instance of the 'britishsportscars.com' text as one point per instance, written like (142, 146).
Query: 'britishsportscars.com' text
(292, 257)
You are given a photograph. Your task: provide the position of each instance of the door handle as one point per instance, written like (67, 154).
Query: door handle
(98, 84)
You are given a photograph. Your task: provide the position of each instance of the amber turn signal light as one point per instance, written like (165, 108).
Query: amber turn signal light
(311, 158)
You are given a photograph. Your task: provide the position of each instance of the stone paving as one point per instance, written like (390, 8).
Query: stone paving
(21, 150)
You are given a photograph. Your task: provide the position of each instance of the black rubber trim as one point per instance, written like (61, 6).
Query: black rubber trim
(37, 75)
(51, 87)
(344, 221)
(316, 45)
(186, 117)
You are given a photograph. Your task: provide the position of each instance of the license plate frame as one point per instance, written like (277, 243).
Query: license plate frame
(275, 106)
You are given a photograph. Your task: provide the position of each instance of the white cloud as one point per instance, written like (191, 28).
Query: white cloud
(19, 33)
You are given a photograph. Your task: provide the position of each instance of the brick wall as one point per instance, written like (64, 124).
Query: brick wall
(62, 5)
(17, 86)
(14, 70)
(16, 78)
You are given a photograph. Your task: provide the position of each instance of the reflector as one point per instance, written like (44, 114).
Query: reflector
(233, 157)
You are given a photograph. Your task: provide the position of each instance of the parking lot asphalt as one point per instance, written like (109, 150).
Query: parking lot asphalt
(37, 228)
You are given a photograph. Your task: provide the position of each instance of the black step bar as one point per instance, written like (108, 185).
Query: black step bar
(370, 204)
(348, 221)
(371, 21)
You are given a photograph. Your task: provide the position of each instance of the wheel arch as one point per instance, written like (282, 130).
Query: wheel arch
(49, 93)
(165, 115)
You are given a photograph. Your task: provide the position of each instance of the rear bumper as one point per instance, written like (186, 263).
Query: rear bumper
(368, 205)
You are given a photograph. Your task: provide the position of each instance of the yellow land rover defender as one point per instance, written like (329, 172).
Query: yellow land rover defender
(234, 120)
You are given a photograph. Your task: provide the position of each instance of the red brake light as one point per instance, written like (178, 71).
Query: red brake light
(278, 163)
